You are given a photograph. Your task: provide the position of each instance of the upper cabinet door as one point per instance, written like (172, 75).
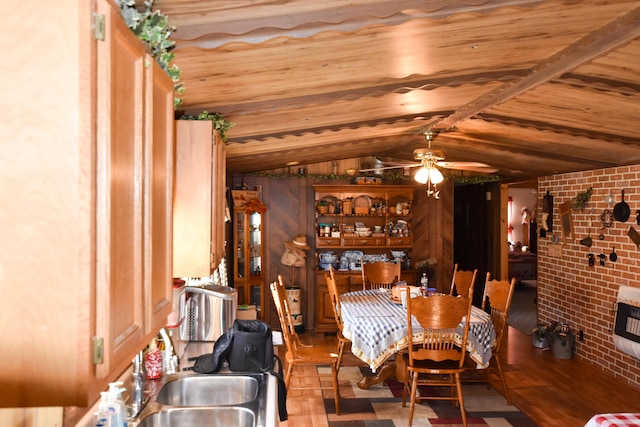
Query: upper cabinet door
(120, 178)
(219, 209)
(88, 257)
(192, 199)
(47, 185)
(159, 149)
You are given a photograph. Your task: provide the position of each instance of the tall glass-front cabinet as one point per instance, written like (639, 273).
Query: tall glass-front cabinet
(248, 235)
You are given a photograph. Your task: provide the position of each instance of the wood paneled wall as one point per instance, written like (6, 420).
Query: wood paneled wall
(291, 211)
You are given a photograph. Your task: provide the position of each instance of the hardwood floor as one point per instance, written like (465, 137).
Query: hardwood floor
(552, 392)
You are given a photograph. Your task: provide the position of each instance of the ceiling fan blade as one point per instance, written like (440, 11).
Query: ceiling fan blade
(399, 166)
(479, 170)
(453, 165)
(469, 167)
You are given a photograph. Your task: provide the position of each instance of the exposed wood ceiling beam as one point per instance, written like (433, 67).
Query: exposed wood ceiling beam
(616, 33)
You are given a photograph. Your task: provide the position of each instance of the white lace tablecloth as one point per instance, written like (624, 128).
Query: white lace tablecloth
(378, 328)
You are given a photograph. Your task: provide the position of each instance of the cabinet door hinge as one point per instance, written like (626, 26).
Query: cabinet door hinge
(98, 26)
(98, 351)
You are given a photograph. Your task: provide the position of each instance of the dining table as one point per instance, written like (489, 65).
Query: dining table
(378, 329)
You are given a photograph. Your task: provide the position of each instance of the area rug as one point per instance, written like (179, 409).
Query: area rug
(381, 406)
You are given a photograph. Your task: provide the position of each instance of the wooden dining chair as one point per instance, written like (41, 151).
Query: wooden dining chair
(299, 354)
(462, 281)
(496, 301)
(438, 359)
(337, 314)
(381, 274)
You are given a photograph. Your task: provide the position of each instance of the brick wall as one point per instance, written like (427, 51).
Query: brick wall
(568, 288)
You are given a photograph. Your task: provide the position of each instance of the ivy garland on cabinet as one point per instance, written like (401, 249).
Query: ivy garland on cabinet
(153, 29)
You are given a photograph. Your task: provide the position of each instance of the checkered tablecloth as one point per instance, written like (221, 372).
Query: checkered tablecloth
(378, 328)
(614, 420)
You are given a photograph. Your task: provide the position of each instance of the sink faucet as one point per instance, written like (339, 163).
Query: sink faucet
(138, 400)
(170, 357)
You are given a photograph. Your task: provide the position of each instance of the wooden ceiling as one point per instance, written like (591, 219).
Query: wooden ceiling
(532, 88)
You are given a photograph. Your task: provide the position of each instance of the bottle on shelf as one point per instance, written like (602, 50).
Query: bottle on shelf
(424, 284)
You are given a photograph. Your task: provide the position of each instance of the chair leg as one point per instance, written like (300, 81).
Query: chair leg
(287, 375)
(501, 375)
(463, 412)
(336, 387)
(414, 391)
(340, 354)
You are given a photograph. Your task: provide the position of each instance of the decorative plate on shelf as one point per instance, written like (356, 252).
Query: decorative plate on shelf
(362, 202)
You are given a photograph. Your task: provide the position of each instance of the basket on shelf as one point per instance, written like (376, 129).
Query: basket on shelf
(347, 207)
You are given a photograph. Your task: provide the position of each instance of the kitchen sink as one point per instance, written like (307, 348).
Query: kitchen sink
(201, 417)
(223, 399)
(209, 390)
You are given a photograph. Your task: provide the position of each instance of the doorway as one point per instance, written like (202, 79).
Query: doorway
(472, 233)
(479, 242)
(523, 238)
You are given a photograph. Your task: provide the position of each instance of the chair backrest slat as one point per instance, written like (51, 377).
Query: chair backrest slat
(438, 317)
(462, 281)
(335, 297)
(497, 300)
(289, 334)
(380, 274)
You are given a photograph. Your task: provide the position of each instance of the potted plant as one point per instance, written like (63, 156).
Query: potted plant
(562, 340)
(323, 206)
(540, 336)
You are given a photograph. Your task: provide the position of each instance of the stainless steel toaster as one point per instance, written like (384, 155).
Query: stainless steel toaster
(210, 311)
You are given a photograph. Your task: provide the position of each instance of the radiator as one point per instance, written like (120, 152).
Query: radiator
(626, 330)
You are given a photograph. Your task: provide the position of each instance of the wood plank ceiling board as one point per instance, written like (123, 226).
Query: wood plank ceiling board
(364, 111)
(565, 106)
(515, 80)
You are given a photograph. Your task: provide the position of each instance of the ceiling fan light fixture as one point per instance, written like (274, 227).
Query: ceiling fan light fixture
(435, 175)
(422, 175)
(430, 175)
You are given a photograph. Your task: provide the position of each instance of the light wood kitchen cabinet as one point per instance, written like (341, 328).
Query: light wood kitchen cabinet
(90, 182)
(199, 204)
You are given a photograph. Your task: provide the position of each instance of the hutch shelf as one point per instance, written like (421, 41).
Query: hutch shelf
(372, 221)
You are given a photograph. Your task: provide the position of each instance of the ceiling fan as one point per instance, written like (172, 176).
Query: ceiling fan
(430, 158)
(428, 172)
